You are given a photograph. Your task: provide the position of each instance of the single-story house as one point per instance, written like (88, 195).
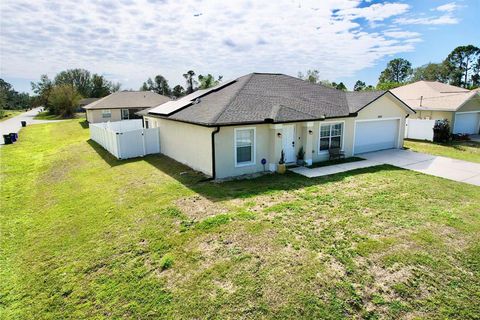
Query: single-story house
(241, 126)
(437, 101)
(122, 105)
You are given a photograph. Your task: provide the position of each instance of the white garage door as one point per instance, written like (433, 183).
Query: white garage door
(466, 123)
(375, 135)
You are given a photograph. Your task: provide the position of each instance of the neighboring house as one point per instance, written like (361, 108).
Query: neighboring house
(85, 101)
(229, 130)
(437, 101)
(122, 105)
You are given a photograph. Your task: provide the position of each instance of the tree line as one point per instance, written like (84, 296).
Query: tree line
(460, 68)
(159, 84)
(61, 95)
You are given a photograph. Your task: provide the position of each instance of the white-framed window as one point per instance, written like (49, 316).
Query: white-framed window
(107, 113)
(146, 123)
(331, 136)
(245, 144)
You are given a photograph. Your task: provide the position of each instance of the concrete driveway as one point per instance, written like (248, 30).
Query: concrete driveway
(14, 124)
(457, 170)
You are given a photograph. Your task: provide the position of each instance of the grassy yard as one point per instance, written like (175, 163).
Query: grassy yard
(45, 115)
(7, 114)
(86, 236)
(463, 150)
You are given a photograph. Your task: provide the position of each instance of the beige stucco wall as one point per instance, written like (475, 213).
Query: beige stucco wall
(186, 143)
(94, 116)
(433, 115)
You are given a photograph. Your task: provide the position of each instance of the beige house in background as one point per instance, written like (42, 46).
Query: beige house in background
(241, 126)
(436, 101)
(122, 105)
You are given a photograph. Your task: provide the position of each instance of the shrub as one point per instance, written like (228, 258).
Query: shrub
(441, 131)
(63, 100)
(166, 261)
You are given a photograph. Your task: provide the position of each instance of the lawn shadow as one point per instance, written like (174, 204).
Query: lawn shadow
(108, 157)
(246, 188)
(84, 124)
(239, 188)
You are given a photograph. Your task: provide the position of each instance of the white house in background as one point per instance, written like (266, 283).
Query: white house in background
(241, 126)
(436, 101)
(122, 105)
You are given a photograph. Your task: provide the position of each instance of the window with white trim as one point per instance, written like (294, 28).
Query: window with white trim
(244, 146)
(330, 136)
(106, 113)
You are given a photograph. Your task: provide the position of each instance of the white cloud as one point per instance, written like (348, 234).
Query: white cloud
(401, 34)
(448, 7)
(375, 12)
(442, 20)
(447, 16)
(132, 40)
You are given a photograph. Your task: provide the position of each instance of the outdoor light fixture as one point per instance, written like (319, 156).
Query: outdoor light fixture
(279, 134)
(310, 132)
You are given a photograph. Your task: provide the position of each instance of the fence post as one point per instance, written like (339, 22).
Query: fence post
(143, 141)
(118, 138)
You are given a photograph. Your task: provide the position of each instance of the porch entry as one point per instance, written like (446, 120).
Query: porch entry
(288, 135)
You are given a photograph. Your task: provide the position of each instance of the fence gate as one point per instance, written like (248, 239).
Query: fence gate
(126, 139)
(419, 129)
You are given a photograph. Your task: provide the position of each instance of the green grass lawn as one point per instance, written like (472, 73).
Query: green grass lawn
(463, 150)
(45, 115)
(86, 236)
(7, 114)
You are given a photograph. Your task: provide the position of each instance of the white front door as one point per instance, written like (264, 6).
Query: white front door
(467, 123)
(376, 135)
(288, 135)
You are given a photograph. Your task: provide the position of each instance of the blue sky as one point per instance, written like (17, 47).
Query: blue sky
(129, 40)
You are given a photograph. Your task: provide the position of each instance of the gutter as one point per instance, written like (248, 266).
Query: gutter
(214, 132)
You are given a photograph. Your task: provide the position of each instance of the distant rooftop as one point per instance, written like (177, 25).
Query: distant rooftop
(128, 99)
(433, 95)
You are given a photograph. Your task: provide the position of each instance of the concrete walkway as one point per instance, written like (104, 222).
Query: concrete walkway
(14, 124)
(457, 170)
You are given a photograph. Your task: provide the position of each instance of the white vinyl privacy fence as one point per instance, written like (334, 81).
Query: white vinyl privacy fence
(126, 139)
(419, 129)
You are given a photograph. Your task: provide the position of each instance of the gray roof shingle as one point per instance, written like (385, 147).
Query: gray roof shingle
(267, 97)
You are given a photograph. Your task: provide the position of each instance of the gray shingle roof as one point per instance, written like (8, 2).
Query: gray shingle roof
(267, 97)
(128, 99)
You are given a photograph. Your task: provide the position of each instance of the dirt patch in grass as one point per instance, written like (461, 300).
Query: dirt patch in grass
(198, 207)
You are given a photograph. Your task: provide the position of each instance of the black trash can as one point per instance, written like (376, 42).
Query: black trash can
(13, 136)
(7, 139)
(24, 123)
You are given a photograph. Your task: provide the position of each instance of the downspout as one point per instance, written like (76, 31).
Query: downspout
(214, 132)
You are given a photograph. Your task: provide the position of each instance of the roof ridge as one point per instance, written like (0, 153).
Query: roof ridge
(234, 96)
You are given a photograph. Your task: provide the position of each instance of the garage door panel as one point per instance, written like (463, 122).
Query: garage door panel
(376, 135)
(466, 123)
